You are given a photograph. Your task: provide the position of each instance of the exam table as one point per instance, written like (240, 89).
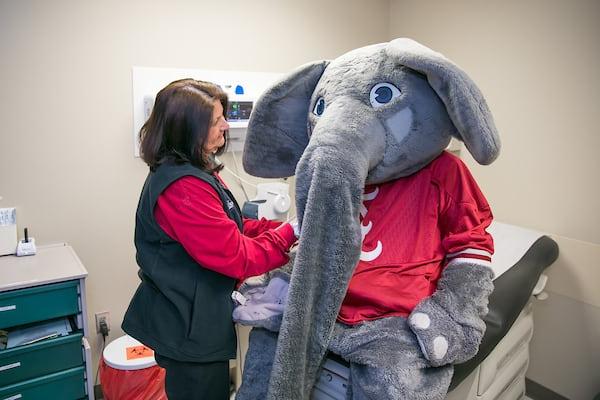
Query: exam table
(498, 370)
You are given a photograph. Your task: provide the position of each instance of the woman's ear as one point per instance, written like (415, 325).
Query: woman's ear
(277, 132)
(463, 100)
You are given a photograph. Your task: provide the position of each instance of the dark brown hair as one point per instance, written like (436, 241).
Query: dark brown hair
(179, 123)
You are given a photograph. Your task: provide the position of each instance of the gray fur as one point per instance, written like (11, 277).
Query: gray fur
(351, 143)
(368, 383)
(465, 104)
(257, 365)
(314, 297)
(456, 312)
(402, 153)
(386, 363)
(277, 127)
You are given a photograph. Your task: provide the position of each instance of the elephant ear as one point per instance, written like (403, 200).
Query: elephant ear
(464, 102)
(277, 131)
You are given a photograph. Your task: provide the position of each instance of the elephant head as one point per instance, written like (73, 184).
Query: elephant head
(372, 115)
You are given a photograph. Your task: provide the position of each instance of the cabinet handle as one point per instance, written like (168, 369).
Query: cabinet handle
(8, 308)
(10, 366)
(15, 397)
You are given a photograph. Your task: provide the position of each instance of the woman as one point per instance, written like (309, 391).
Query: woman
(192, 243)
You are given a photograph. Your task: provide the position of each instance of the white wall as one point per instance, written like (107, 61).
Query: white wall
(66, 155)
(537, 63)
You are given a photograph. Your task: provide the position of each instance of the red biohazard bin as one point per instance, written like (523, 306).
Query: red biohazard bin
(128, 371)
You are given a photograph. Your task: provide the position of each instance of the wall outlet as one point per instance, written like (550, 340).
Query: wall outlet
(102, 316)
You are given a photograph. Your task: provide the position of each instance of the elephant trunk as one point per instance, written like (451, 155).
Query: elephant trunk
(330, 179)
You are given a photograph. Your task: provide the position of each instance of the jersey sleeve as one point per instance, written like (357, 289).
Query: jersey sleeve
(464, 217)
(191, 213)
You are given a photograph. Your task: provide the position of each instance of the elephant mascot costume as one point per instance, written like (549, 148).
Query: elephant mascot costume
(392, 271)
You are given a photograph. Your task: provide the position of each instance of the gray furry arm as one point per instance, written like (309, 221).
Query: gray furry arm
(449, 324)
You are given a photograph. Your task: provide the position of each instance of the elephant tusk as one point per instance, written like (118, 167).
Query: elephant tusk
(363, 210)
(373, 254)
(367, 197)
(372, 195)
(365, 229)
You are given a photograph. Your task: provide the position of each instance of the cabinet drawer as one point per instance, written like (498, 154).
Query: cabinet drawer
(26, 362)
(64, 385)
(38, 303)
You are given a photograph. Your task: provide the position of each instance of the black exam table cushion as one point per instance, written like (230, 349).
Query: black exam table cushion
(512, 291)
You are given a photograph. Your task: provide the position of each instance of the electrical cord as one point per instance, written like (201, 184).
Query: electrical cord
(104, 332)
(239, 178)
(237, 169)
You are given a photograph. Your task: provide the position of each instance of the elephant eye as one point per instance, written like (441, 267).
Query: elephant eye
(383, 93)
(319, 106)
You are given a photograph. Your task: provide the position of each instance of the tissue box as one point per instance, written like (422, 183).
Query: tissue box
(8, 231)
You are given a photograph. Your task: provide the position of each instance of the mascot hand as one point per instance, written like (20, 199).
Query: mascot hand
(449, 324)
(442, 340)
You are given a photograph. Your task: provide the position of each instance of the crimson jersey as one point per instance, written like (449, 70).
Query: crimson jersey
(191, 212)
(412, 228)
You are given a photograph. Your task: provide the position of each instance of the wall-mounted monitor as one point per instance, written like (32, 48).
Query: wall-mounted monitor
(242, 88)
(238, 111)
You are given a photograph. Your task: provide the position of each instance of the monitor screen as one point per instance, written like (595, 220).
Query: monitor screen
(239, 110)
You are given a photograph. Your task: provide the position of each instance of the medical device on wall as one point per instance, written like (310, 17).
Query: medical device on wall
(239, 112)
(272, 202)
(242, 88)
(238, 115)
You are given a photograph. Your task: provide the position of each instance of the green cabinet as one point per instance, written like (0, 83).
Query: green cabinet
(33, 291)
(63, 385)
(40, 303)
(52, 355)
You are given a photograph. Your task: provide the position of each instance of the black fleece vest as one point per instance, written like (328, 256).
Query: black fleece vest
(181, 310)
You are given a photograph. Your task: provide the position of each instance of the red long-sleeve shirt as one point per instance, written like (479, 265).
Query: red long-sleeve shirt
(191, 212)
